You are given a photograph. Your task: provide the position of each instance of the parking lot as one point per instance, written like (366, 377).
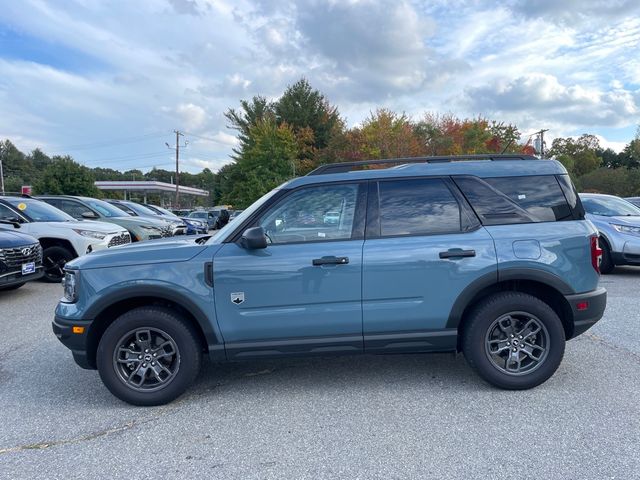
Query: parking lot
(410, 416)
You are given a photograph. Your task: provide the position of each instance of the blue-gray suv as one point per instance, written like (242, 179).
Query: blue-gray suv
(489, 255)
(618, 223)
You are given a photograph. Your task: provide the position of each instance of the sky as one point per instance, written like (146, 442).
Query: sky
(109, 81)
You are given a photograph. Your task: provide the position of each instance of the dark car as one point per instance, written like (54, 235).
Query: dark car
(20, 259)
(216, 218)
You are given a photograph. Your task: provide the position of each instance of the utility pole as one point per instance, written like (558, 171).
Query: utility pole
(177, 149)
(1, 177)
(541, 136)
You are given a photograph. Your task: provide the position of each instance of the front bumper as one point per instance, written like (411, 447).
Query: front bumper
(13, 278)
(76, 342)
(587, 309)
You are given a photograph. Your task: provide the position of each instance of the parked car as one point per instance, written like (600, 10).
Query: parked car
(234, 213)
(194, 227)
(634, 200)
(20, 258)
(62, 237)
(618, 224)
(491, 256)
(176, 227)
(216, 219)
(86, 208)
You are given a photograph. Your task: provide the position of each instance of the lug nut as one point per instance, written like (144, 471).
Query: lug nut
(155, 354)
(139, 357)
(515, 350)
(144, 364)
(153, 364)
(146, 350)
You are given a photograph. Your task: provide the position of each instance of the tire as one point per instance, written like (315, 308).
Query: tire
(12, 287)
(54, 259)
(163, 325)
(606, 263)
(495, 323)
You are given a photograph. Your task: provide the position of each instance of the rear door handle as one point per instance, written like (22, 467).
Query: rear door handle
(457, 253)
(317, 262)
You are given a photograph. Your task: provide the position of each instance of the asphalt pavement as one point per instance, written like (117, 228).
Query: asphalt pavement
(402, 416)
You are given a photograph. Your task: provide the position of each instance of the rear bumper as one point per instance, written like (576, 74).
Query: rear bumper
(76, 342)
(587, 309)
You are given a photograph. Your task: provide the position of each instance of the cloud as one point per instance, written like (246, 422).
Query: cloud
(185, 7)
(572, 10)
(191, 116)
(545, 95)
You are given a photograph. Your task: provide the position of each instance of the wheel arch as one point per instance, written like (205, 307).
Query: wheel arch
(47, 242)
(545, 286)
(104, 312)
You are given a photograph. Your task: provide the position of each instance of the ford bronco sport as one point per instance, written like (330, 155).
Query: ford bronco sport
(489, 255)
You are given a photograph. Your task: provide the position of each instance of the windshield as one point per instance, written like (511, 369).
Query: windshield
(39, 211)
(198, 215)
(162, 211)
(230, 227)
(105, 209)
(140, 209)
(609, 207)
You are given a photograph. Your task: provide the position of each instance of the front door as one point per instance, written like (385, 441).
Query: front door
(301, 294)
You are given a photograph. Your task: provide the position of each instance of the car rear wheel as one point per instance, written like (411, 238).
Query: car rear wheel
(53, 260)
(513, 340)
(149, 356)
(606, 262)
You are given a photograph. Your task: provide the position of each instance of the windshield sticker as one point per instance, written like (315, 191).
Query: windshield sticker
(22, 206)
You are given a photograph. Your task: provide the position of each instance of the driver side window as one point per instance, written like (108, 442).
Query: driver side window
(312, 214)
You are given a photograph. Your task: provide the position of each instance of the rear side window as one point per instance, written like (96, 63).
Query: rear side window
(509, 200)
(417, 207)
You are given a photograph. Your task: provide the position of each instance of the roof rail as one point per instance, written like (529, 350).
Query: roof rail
(348, 166)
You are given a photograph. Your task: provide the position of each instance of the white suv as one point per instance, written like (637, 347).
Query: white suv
(62, 237)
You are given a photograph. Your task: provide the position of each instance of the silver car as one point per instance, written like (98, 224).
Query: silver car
(618, 222)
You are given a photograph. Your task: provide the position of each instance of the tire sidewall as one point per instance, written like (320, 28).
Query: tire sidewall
(162, 319)
(606, 264)
(58, 250)
(484, 316)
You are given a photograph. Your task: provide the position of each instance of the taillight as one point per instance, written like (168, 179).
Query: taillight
(596, 253)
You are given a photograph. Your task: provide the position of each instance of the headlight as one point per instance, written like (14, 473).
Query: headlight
(627, 229)
(70, 294)
(91, 234)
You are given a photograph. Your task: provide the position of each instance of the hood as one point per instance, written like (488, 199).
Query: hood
(11, 239)
(138, 221)
(173, 249)
(618, 220)
(96, 226)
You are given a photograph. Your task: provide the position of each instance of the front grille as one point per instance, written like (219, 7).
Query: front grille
(14, 258)
(167, 231)
(121, 239)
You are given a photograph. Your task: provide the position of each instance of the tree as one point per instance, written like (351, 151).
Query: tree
(243, 120)
(582, 152)
(66, 177)
(268, 161)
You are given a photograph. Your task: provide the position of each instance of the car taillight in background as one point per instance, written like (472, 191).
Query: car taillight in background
(596, 253)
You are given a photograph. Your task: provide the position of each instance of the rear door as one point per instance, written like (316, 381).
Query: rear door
(423, 247)
(303, 293)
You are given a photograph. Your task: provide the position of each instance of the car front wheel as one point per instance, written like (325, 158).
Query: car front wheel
(513, 340)
(149, 356)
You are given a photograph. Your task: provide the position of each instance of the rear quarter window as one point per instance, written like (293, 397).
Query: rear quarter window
(527, 199)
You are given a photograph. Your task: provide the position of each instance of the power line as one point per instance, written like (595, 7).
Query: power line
(107, 143)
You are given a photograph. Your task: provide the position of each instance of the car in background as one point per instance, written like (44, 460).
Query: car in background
(234, 213)
(86, 208)
(194, 226)
(618, 223)
(176, 227)
(181, 213)
(20, 258)
(216, 218)
(62, 237)
(634, 200)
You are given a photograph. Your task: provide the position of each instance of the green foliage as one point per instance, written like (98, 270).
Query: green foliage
(619, 181)
(581, 154)
(66, 177)
(268, 161)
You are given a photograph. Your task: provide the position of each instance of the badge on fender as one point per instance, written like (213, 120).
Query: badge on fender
(237, 297)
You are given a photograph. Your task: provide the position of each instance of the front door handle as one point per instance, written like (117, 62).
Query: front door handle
(457, 253)
(317, 262)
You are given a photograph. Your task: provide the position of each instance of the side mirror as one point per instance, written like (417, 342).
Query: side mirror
(15, 221)
(253, 239)
(89, 215)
